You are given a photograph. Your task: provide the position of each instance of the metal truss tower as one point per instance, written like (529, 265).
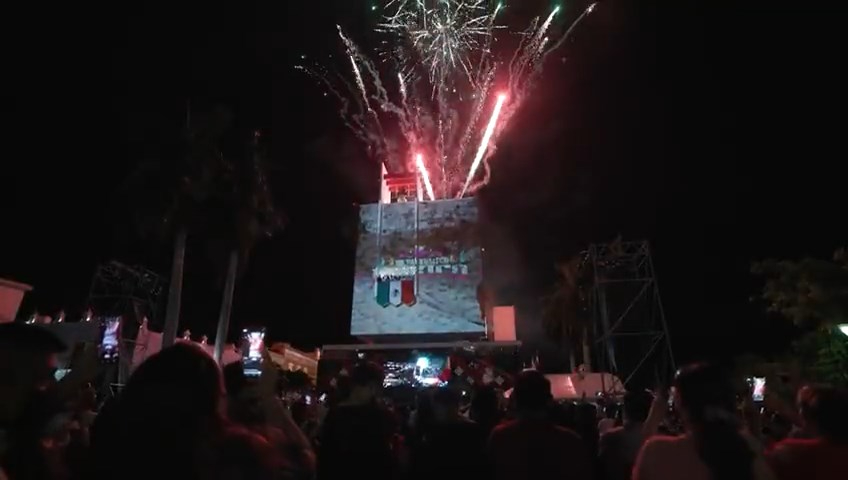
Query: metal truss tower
(132, 293)
(631, 335)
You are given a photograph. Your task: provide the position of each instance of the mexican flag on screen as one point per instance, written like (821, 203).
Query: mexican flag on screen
(395, 292)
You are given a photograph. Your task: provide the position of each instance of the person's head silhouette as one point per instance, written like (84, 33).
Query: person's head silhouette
(532, 392)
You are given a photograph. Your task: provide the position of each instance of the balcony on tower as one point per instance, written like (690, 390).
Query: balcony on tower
(400, 187)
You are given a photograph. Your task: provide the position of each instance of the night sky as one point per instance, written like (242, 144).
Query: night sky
(714, 131)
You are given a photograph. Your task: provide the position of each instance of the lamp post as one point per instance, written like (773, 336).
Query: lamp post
(843, 327)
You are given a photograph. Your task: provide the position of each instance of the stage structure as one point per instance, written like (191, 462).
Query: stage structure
(418, 266)
(631, 335)
(132, 293)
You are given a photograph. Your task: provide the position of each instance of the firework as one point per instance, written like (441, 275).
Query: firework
(425, 176)
(484, 143)
(443, 57)
(445, 34)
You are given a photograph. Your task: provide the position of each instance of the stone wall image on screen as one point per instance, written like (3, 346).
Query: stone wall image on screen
(400, 291)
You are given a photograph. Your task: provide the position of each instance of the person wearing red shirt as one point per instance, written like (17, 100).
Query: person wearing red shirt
(824, 413)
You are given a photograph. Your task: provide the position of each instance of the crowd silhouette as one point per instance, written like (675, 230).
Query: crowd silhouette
(180, 416)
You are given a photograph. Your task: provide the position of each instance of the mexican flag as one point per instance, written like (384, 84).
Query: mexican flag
(395, 292)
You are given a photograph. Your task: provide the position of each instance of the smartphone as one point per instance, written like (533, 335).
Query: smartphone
(110, 334)
(253, 344)
(758, 388)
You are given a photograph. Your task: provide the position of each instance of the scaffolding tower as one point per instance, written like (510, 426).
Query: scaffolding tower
(129, 291)
(132, 293)
(631, 334)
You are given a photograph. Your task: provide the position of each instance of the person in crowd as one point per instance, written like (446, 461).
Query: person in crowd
(610, 420)
(775, 427)
(27, 366)
(305, 415)
(586, 426)
(531, 446)
(84, 410)
(824, 454)
(801, 427)
(299, 412)
(619, 446)
(264, 414)
(485, 409)
(169, 422)
(422, 418)
(30, 407)
(714, 446)
(357, 439)
(454, 445)
(41, 437)
(562, 413)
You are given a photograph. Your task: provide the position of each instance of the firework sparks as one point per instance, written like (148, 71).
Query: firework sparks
(445, 33)
(444, 55)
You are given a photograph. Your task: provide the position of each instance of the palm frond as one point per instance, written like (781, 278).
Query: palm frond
(221, 194)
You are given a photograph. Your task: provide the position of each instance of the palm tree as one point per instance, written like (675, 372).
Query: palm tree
(566, 318)
(249, 215)
(220, 196)
(170, 194)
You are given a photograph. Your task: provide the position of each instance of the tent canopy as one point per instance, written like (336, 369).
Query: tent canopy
(573, 386)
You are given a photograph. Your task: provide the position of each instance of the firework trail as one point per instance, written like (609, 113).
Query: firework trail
(484, 143)
(450, 75)
(425, 176)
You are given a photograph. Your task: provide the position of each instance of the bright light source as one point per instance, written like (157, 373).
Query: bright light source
(422, 363)
(422, 169)
(843, 328)
(484, 143)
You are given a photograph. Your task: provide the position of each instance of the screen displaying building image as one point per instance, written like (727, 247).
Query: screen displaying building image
(418, 265)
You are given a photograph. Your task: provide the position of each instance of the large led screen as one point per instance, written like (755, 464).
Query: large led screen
(418, 266)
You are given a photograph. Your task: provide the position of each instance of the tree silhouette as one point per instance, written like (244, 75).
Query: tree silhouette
(566, 315)
(217, 194)
(170, 194)
(813, 295)
(247, 216)
(810, 292)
